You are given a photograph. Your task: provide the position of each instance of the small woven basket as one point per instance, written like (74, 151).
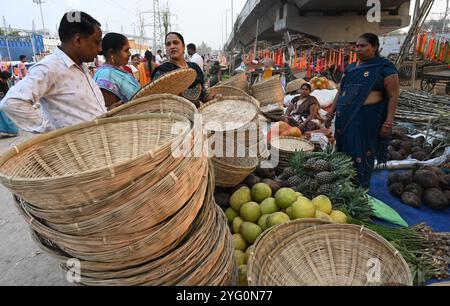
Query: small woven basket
(239, 81)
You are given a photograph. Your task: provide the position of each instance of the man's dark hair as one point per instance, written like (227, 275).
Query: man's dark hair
(22, 57)
(159, 51)
(85, 26)
(177, 34)
(192, 47)
(373, 40)
(113, 42)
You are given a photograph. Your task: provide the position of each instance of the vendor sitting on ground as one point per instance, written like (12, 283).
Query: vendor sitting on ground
(304, 111)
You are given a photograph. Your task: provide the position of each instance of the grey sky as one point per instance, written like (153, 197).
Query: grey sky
(197, 20)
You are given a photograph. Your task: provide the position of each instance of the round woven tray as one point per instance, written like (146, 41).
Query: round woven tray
(79, 165)
(154, 104)
(333, 255)
(230, 114)
(227, 91)
(286, 144)
(174, 82)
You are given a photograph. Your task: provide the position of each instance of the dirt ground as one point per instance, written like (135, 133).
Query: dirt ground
(21, 261)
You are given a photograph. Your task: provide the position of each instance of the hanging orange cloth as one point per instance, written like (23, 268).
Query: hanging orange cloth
(424, 42)
(350, 60)
(355, 57)
(144, 77)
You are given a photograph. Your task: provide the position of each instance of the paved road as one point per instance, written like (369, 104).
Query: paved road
(21, 261)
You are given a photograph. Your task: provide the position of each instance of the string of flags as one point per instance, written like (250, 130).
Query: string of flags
(433, 48)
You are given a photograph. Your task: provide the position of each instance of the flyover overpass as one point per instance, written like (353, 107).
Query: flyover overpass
(327, 20)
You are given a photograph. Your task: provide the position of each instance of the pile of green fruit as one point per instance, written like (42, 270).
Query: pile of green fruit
(256, 210)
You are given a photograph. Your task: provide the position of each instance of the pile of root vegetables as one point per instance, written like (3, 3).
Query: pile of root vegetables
(429, 186)
(402, 147)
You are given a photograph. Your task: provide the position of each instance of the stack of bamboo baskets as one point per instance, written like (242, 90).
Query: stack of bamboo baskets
(99, 193)
(238, 81)
(236, 138)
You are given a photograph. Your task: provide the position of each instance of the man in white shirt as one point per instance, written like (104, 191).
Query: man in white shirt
(61, 82)
(194, 56)
(159, 58)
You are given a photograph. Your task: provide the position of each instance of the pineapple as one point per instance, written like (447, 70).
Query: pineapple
(321, 166)
(294, 181)
(287, 173)
(324, 178)
(325, 189)
(309, 165)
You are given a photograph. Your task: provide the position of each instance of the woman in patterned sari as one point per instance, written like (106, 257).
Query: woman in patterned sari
(117, 85)
(365, 108)
(175, 48)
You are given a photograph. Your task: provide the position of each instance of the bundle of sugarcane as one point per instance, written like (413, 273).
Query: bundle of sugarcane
(424, 110)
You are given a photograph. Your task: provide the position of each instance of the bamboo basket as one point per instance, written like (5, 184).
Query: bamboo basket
(332, 255)
(83, 164)
(136, 195)
(203, 257)
(158, 103)
(273, 237)
(175, 82)
(284, 148)
(230, 124)
(239, 81)
(230, 114)
(135, 248)
(230, 172)
(269, 91)
(227, 91)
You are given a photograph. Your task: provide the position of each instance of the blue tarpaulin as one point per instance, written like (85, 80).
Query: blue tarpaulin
(439, 221)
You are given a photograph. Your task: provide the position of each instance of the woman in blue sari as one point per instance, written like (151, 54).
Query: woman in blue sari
(117, 85)
(365, 108)
(7, 127)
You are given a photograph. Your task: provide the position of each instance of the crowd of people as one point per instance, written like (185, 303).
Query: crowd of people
(68, 92)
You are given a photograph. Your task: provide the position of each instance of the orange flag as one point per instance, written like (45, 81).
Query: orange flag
(350, 60)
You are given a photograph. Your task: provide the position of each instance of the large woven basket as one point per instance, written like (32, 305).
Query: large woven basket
(175, 82)
(227, 91)
(230, 172)
(81, 165)
(273, 237)
(158, 103)
(284, 148)
(295, 85)
(126, 247)
(239, 81)
(331, 255)
(204, 257)
(269, 91)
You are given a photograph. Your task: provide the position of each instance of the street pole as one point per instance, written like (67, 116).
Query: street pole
(154, 27)
(232, 16)
(39, 2)
(414, 65)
